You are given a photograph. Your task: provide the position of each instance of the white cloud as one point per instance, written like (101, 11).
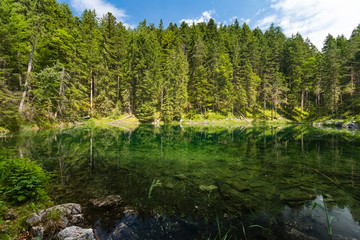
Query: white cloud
(241, 20)
(260, 11)
(266, 21)
(101, 8)
(314, 19)
(245, 20)
(204, 18)
(232, 19)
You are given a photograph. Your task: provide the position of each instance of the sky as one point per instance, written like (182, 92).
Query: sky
(313, 19)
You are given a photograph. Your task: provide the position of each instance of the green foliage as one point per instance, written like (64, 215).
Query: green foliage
(10, 122)
(329, 219)
(155, 183)
(146, 113)
(62, 68)
(214, 116)
(23, 180)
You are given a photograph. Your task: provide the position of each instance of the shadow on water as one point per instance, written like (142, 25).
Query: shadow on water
(256, 182)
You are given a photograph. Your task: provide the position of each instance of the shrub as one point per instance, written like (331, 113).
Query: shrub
(22, 180)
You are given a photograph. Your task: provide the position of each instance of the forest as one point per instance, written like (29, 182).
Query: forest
(55, 66)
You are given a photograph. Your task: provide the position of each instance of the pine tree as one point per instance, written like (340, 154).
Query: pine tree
(331, 70)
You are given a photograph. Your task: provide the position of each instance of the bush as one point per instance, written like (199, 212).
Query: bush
(214, 116)
(23, 180)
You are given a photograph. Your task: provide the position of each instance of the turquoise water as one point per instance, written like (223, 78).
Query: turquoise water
(255, 182)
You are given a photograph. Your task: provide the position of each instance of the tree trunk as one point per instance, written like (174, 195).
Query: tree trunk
(61, 93)
(318, 103)
(307, 101)
(27, 79)
(91, 92)
(264, 107)
(118, 92)
(302, 100)
(352, 86)
(335, 100)
(161, 99)
(30, 64)
(91, 151)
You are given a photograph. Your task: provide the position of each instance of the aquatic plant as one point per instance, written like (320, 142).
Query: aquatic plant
(220, 236)
(155, 183)
(329, 219)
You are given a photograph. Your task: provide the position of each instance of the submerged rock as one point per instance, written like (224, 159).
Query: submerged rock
(296, 198)
(122, 231)
(46, 223)
(180, 177)
(297, 235)
(239, 187)
(208, 188)
(76, 233)
(108, 201)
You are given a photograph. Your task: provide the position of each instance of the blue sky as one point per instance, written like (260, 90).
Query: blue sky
(312, 18)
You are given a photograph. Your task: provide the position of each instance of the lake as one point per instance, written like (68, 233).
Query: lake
(182, 182)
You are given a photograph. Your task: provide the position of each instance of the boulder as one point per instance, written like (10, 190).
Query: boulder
(122, 231)
(108, 201)
(76, 233)
(46, 223)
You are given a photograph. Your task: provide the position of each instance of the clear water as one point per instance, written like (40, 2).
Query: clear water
(255, 182)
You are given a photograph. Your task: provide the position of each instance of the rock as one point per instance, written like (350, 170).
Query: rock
(209, 188)
(77, 219)
(351, 125)
(10, 215)
(108, 201)
(54, 219)
(33, 219)
(339, 124)
(297, 235)
(38, 231)
(76, 233)
(122, 231)
(239, 187)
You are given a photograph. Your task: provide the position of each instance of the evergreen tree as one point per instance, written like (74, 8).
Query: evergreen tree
(331, 71)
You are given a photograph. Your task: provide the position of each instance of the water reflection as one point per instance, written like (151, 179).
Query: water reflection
(263, 175)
